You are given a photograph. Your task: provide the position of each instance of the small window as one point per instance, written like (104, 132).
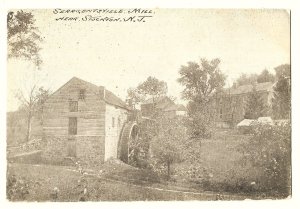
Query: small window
(81, 94)
(73, 106)
(221, 113)
(72, 126)
(113, 122)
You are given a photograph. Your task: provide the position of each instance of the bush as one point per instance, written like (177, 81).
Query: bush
(17, 188)
(269, 151)
(167, 145)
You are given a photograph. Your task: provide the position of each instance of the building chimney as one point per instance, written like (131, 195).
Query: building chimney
(102, 92)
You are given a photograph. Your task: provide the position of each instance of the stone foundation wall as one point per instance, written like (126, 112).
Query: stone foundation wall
(89, 150)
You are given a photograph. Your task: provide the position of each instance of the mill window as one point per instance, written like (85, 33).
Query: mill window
(72, 126)
(73, 106)
(81, 94)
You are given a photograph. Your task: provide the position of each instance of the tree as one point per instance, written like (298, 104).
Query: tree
(201, 81)
(265, 76)
(255, 105)
(133, 99)
(28, 103)
(32, 102)
(152, 88)
(42, 96)
(167, 145)
(251, 79)
(246, 79)
(281, 102)
(23, 37)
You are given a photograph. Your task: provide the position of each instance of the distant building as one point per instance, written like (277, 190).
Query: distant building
(231, 104)
(86, 122)
(176, 110)
(162, 104)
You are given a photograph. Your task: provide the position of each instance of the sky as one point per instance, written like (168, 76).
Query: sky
(119, 55)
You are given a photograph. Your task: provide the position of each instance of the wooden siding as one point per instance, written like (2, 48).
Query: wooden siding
(90, 114)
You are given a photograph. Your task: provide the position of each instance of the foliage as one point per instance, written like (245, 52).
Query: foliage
(42, 96)
(32, 103)
(245, 79)
(201, 81)
(255, 105)
(269, 151)
(16, 188)
(134, 97)
(63, 181)
(167, 145)
(265, 76)
(251, 79)
(23, 37)
(152, 88)
(200, 122)
(281, 102)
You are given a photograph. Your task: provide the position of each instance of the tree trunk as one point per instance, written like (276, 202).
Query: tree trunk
(169, 169)
(28, 126)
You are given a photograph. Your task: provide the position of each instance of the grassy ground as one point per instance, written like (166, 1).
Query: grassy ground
(223, 171)
(221, 167)
(40, 181)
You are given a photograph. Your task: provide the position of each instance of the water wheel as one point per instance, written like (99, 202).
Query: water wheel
(129, 133)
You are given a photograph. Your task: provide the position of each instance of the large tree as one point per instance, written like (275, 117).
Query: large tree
(23, 37)
(265, 76)
(152, 88)
(281, 102)
(32, 102)
(134, 98)
(201, 81)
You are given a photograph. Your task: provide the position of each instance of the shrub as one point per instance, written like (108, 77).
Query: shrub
(167, 145)
(16, 188)
(268, 151)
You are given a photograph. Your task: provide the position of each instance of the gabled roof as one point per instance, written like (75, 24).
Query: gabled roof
(181, 107)
(176, 107)
(267, 86)
(160, 102)
(114, 100)
(109, 97)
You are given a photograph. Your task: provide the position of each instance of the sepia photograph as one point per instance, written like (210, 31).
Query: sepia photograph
(148, 104)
